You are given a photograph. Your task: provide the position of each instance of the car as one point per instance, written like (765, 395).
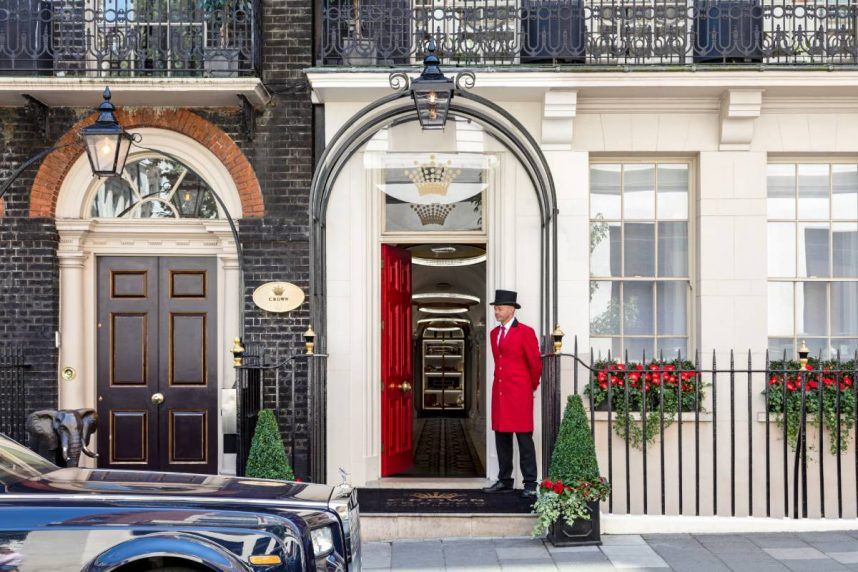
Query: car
(101, 520)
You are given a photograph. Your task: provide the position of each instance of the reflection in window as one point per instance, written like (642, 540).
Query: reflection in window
(813, 258)
(433, 192)
(639, 259)
(154, 187)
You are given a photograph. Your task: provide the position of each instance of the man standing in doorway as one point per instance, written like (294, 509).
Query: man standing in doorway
(518, 366)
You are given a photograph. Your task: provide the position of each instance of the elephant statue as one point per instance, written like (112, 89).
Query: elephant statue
(61, 435)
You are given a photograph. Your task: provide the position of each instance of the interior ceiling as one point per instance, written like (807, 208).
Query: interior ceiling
(461, 279)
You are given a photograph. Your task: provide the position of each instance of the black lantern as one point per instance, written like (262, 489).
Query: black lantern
(432, 92)
(107, 143)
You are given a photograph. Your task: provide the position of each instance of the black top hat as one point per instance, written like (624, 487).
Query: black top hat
(506, 298)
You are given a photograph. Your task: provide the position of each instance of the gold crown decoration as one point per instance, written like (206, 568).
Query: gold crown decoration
(435, 213)
(432, 178)
(278, 290)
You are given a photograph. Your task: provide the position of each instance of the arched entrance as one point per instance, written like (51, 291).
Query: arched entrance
(148, 275)
(347, 402)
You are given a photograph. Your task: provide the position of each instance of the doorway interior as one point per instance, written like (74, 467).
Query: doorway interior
(434, 401)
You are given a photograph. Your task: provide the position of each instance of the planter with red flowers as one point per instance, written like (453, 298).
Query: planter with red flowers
(567, 502)
(664, 387)
(830, 381)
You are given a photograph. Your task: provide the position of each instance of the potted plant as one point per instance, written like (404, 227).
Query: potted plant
(728, 31)
(553, 31)
(567, 502)
(222, 51)
(267, 458)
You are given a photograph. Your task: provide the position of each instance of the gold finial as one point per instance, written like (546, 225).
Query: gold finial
(557, 334)
(310, 340)
(803, 353)
(237, 352)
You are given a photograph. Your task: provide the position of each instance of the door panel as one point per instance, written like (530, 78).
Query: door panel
(396, 371)
(156, 334)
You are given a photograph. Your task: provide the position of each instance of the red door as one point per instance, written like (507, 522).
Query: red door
(397, 408)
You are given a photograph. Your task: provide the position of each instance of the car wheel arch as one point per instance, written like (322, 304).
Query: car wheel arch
(192, 549)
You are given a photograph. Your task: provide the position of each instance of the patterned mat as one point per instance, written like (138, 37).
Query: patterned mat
(444, 450)
(449, 501)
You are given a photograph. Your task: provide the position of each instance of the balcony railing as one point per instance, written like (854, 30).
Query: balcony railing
(589, 32)
(129, 38)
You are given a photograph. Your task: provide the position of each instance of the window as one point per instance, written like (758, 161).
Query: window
(154, 186)
(639, 259)
(813, 258)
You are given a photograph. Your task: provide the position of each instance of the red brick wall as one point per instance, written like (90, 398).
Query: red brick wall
(46, 186)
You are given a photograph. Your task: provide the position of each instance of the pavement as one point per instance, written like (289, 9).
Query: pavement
(815, 551)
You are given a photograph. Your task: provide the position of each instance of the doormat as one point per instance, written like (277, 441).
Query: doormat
(462, 501)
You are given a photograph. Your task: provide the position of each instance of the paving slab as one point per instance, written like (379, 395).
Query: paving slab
(682, 552)
(633, 556)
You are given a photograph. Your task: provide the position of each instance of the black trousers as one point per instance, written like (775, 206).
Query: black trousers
(526, 457)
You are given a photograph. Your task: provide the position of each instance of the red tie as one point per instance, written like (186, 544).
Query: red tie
(502, 335)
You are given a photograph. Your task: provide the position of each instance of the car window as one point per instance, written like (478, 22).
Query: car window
(17, 463)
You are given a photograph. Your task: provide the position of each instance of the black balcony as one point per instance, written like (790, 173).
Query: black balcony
(367, 33)
(129, 38)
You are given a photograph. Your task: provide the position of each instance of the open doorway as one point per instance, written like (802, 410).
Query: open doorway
(434, 424)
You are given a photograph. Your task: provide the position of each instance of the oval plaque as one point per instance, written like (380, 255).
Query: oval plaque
(278, 296)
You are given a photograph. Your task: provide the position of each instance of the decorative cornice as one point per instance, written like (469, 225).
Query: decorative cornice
(739, 110)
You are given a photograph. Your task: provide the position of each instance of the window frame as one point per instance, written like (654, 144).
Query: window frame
(796, 221)
(689, 279)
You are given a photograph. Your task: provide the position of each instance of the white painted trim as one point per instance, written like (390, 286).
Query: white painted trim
(79, 184)
(81, 241)
(646, 524)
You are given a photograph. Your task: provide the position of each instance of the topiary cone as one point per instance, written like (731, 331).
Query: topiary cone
(574, 455)
(267, 459)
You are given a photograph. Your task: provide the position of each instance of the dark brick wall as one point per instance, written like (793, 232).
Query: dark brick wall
(276, 246)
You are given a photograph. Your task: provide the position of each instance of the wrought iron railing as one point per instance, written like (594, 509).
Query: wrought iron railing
(115, 38)
(14, 365)
(683, 437)
(594, 32)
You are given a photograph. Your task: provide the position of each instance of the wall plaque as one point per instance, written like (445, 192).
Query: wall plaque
(278, 297)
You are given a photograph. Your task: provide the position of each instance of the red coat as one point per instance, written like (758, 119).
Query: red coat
(518, 365)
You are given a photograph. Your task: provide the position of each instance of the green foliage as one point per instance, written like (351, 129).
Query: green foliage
(659, 384)
(267, 459)
(573, 475)
(574, 455)
(831, 380)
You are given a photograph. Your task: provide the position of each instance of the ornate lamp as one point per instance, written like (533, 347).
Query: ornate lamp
(107, 143)
(237, 352)
(432, 92)
(310, 340)
(557, 336)
(803, 353)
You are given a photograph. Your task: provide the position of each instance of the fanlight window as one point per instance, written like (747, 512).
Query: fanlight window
(154, 187)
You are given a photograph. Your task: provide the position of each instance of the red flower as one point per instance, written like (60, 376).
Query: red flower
(639, 366)
(773, 380)
(809, 367)
(847, 381)
(621, 366)
(812, 384)
(827, 381)
(558, 487)
(546, 484)
(602, 376)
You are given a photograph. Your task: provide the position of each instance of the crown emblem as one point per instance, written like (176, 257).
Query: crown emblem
(278, 290)
(432, 214)
(432, 178)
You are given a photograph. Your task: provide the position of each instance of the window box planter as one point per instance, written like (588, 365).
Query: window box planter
(728, 31)
(553, 32)
(582, 533)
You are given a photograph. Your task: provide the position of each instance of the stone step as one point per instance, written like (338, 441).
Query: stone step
(401, 526)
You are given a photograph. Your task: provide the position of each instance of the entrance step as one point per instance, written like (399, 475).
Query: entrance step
(389, 527)
(429, 483)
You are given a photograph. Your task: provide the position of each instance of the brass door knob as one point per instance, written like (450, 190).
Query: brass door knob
(158, 398)
(405, 386)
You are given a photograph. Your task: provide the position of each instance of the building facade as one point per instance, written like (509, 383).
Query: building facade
(667, 179)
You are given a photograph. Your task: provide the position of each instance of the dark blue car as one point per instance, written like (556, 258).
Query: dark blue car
(58, 520)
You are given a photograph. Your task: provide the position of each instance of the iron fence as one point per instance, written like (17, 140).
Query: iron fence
(594, 32)
(13, 370)
(680, 437)
(290, 386)
(159, 38)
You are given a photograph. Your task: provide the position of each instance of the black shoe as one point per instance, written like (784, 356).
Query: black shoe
(498, 487)
(528, 494)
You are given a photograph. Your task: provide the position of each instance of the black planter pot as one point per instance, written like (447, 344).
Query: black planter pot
(553, 31)
(728, 31)
(582, 533)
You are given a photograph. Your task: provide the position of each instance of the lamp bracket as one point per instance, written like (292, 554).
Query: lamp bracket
(465, 80)
(399, 81)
